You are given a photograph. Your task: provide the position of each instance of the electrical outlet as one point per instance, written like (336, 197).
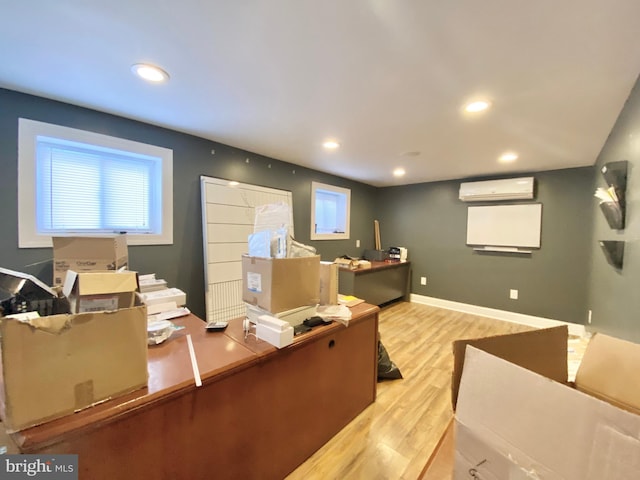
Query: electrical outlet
(423, 280)
(357, 243)
(589, 318)
(513, 294)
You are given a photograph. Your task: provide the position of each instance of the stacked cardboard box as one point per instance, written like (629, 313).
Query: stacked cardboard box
(97, 291)
(163, 302)
(279, 290)
(281, 284)
(83, 254)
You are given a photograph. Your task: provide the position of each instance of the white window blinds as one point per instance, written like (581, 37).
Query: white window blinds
(85, 188)
(77, 182)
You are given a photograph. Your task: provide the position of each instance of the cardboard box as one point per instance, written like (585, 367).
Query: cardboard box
(56, 365)
(351, 263)
(543, 351)
(84, 254)
(167, 295)
(609, 371)
(514, 423)
(328, 283)
(98, 291)
(280, 284)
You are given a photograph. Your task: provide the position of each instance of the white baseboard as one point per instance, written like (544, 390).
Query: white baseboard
(538, 322)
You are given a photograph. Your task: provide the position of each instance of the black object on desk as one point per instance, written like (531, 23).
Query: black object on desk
(300, 329)
(216, 326)
(315, 321)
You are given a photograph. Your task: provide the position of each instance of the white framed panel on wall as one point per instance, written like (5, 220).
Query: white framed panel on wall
(517, 226)
(228, 215)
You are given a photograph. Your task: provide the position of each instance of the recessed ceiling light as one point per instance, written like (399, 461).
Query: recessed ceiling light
(477, 106)
(508, 157)
(150, 73)
(330, 144)
(399, 172)
(413, 153)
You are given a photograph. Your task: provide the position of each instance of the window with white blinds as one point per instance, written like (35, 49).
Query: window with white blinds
(86, 183)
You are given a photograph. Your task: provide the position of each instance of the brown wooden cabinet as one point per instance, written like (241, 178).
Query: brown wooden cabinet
(259, 413)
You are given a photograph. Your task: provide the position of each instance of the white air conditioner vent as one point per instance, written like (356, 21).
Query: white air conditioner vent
(494, 190)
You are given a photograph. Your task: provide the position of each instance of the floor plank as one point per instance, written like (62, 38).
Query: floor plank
(394, 437)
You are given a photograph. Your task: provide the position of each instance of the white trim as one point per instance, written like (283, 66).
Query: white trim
(502, 249)
(513, 317)
(28, 131)
(340, 191)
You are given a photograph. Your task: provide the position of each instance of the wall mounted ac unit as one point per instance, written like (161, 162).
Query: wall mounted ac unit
(493, 190)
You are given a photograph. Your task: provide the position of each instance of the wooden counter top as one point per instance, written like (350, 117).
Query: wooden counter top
(374, 266)
(235, 331)
(170, 373)
(224, 359)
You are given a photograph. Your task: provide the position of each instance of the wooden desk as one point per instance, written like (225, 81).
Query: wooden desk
(382, 283)
(259, 413)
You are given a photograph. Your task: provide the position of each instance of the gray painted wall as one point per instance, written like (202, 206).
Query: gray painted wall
(430, 221)
(181, 264)
(614, 296)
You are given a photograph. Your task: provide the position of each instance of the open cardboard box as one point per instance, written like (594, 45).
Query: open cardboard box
(53, 366)
(516, 417)
(100, 290)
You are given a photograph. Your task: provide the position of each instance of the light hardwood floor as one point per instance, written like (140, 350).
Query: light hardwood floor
(393, 437)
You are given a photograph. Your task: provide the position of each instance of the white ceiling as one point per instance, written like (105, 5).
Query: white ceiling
(383, 77)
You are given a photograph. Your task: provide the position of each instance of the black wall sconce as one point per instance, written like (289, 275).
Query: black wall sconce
(613, 251)
(613, 206)
(612, 199)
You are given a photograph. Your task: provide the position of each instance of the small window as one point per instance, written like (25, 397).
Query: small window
(73, 182)
(330, 212)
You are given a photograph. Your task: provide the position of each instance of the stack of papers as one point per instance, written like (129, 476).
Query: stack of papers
(149, 283)
(349, 300)
(162, 303)
(165, 295)
(339, 313)
(606, 195)
(166, 311)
